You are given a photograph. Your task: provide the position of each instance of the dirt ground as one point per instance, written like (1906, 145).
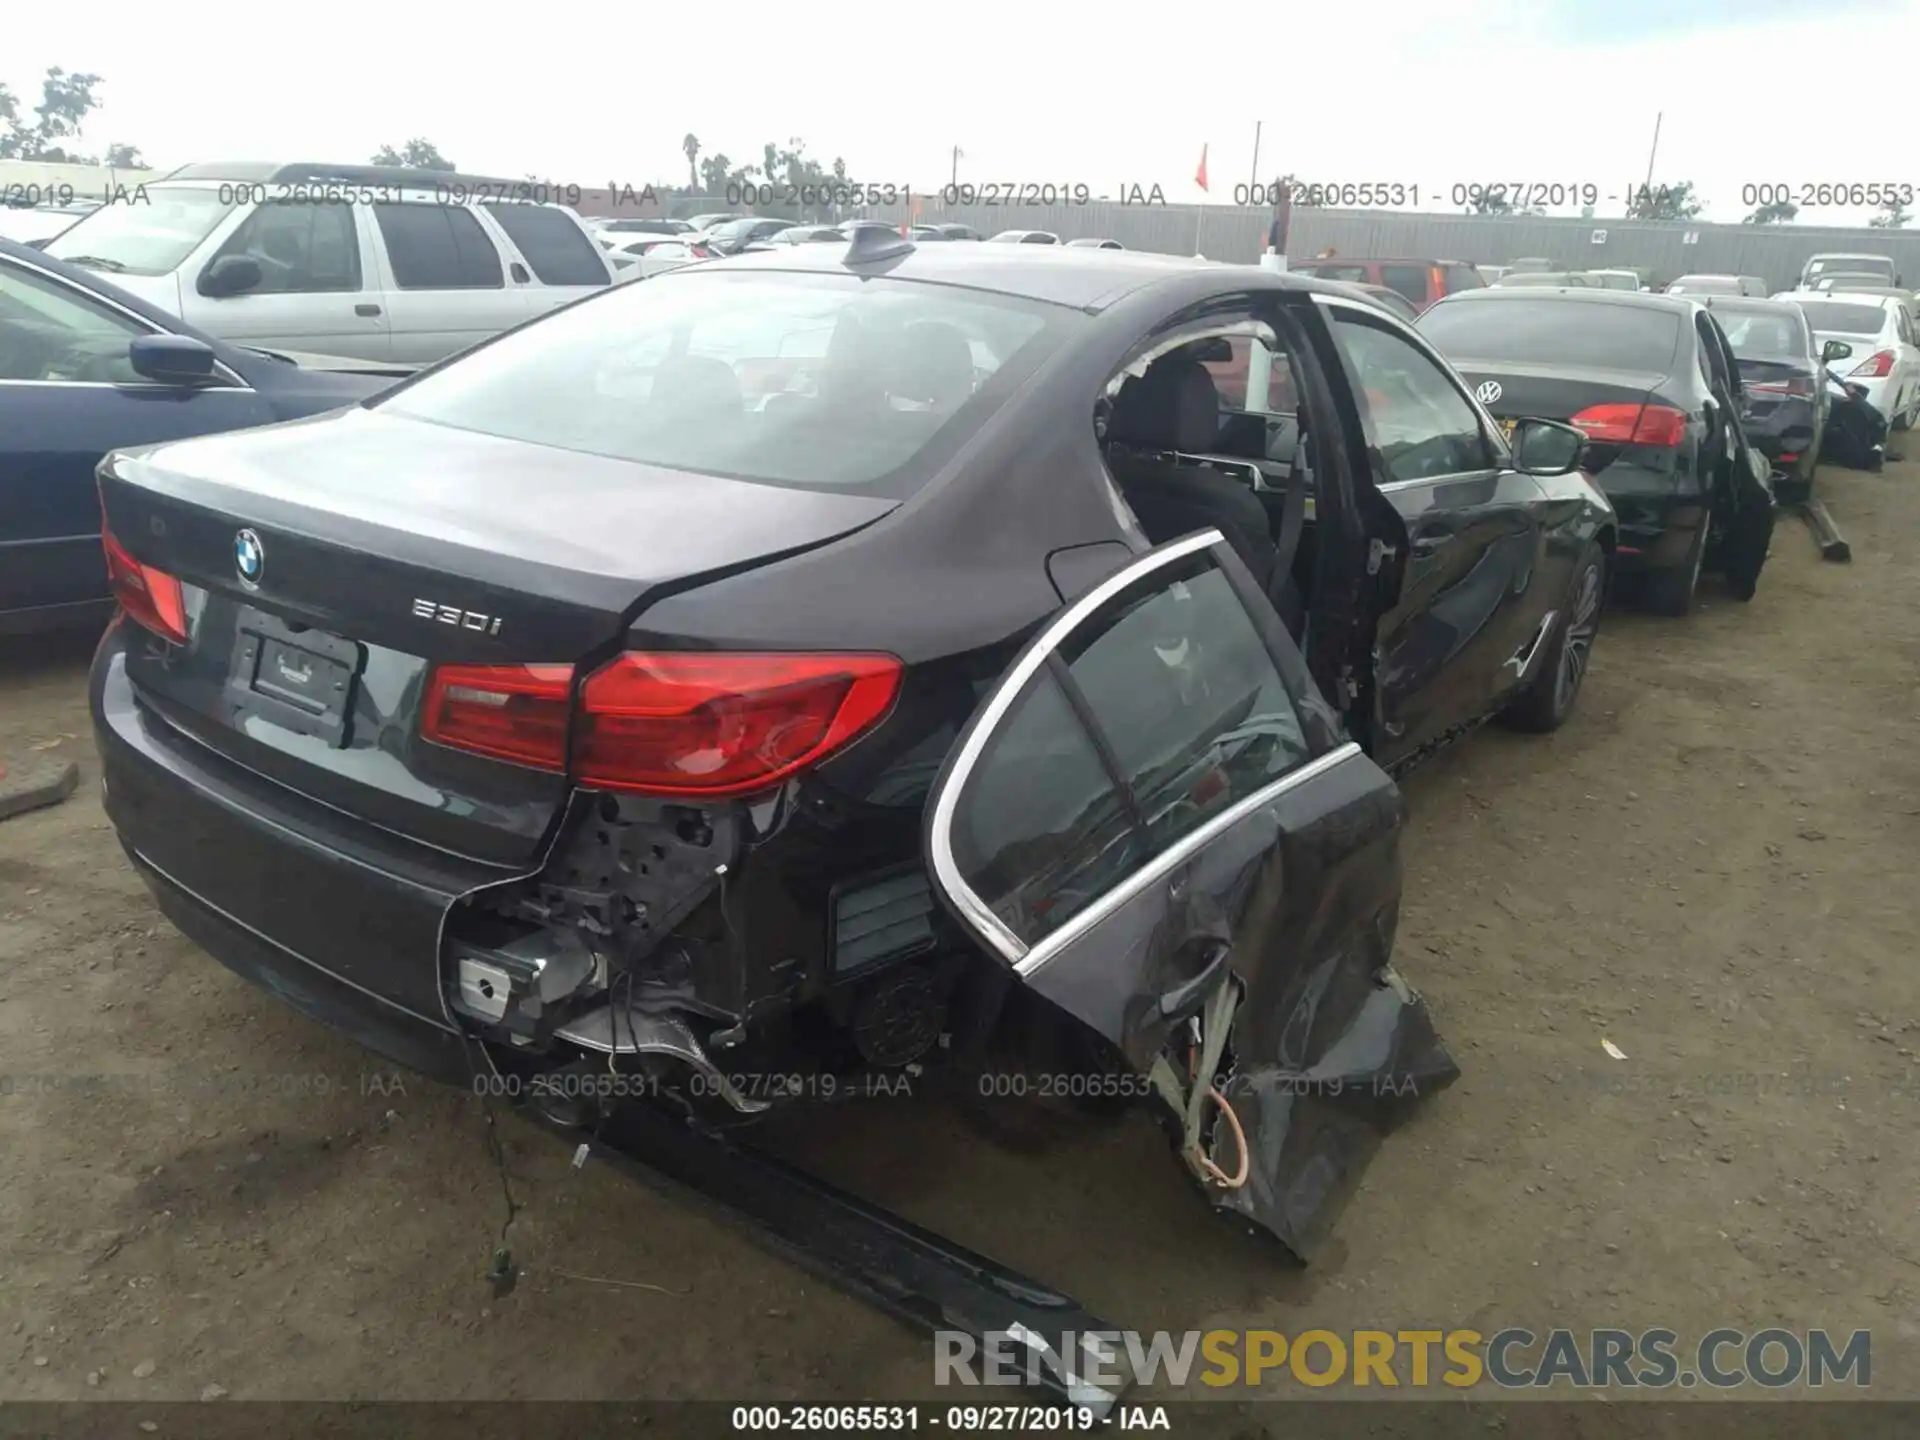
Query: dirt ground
(1714, 867)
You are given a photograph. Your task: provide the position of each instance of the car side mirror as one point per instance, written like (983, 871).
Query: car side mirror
(1546, 447)
(230, 275)
(1835, 350)
(171, 359)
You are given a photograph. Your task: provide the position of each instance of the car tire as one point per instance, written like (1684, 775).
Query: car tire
(1746, 551)
(1548, 698)
(1904, 419)
(1670, 591)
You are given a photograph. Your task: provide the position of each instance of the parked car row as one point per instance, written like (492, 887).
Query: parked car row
(1654, 384)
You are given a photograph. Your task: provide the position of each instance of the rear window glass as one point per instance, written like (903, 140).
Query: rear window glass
(1771, 332)
(1463, 277)
(1550, 330)
(1705, 285)
(1850, 265)
(1833, 315)
(815, 381)
(1409, 280)
(1349, 273)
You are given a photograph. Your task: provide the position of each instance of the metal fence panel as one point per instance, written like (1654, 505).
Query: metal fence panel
(1228, 232)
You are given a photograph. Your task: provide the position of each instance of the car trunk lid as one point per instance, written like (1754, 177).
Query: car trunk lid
(1556, 392)
(328, 565)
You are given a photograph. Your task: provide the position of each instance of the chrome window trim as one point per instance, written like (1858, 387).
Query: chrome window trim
(220, 366)
(1025, 959)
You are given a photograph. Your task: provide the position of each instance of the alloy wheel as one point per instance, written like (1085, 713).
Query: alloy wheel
(1577, 649)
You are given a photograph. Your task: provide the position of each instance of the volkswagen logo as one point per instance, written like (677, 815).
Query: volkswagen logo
(249, 558)
(1488, 392)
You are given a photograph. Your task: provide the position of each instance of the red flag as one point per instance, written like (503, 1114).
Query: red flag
(1200, 175)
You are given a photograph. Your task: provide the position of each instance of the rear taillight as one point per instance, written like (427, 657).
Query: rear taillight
(511, 712)
(701, 251)
(1798, 385)
(1657, 425)
(1876, 367)
(696, 725)
(720, 724)
(150, 597)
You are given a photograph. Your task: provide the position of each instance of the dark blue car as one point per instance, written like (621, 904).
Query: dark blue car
(86, 368)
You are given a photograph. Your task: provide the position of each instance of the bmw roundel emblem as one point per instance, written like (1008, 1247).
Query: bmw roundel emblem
(1488, 392)
(249, 557)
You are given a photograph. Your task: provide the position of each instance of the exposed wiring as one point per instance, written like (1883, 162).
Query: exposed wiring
(1239, 1177)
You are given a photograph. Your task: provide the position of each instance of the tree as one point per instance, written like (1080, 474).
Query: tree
(416, 154)
(1774, 212)
(1586, 211)
(690, 147)
(1895, 217)
(1665, 202)
(122, 156)
(65, 102)
(1489, 202)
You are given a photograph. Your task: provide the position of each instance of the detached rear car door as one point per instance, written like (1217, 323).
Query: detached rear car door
(1156, 821)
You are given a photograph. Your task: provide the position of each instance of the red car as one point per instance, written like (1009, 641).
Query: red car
(1421, 281)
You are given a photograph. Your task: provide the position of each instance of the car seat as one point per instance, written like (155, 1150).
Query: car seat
(1175, 406)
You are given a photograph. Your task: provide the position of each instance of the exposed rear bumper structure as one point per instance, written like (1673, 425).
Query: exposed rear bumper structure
(194, 828)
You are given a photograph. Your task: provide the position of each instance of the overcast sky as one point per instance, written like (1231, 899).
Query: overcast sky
(1392, 90)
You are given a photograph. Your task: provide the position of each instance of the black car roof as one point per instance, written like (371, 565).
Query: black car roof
(1583, 294)
(1081, 277)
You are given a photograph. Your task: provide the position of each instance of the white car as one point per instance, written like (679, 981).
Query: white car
(37, 224)
(1842, 262)
(1617, 279)
(366, 261)
(645, 255)
(1024, 237)
(1881, 353)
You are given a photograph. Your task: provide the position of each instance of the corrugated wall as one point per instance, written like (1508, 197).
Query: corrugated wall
(1233, 233)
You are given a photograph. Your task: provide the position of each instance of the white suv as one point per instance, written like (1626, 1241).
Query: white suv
(366, 261)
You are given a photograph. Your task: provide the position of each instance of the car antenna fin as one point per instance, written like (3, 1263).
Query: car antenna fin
(870, 243)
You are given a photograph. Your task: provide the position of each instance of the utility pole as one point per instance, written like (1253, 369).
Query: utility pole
(1253, 189)
(1647, 189)
(957, 154)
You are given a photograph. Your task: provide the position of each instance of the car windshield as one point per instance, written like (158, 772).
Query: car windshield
(1705, 285)
(1851, 265)
(1550, 330)
(812, 381)
(145, 236)
(1837, 316)
(1764, 332)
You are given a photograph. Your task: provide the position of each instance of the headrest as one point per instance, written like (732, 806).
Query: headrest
(697, 382)
(1174, 406)
(936, 364)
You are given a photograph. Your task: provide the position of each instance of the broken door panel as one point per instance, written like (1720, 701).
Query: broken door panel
(1153, 822)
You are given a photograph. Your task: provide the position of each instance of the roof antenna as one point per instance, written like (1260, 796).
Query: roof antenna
(870, 242)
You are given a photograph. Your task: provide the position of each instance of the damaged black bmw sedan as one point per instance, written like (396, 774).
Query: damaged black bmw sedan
(821, 663)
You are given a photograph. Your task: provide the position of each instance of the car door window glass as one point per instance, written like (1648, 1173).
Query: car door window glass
(51, 332)
(1417, 420)
(553, 245)
(302, 248)
(437, 247)
(1190, 716)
